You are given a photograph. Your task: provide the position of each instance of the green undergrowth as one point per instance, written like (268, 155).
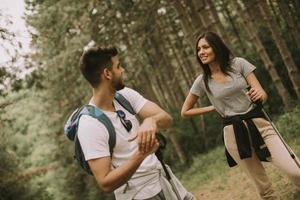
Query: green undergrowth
(210, 177)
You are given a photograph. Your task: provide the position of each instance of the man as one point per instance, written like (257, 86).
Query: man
(133, 171)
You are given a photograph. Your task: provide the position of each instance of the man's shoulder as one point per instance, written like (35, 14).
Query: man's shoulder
(89, 122)
(127, 90)
(136, 100)
(129, 93)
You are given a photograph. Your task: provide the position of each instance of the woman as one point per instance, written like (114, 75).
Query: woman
(249, 138)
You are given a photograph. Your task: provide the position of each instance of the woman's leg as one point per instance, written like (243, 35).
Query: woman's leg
(252, 166)
(280, 156)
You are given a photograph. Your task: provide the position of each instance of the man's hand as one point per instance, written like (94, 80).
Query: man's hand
(146, 135)
(152, 149)
(154, 119)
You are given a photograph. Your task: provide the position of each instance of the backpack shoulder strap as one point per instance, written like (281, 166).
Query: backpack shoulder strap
(124, 103)
(101, 117)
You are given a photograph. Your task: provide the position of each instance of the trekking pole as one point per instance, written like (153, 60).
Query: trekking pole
(289, 149)
(159, 155)
(267, 116)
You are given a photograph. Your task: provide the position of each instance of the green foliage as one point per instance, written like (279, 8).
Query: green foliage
(192, 143)
(288, 124)
(275, 56)
(16, 146)
(205, 167)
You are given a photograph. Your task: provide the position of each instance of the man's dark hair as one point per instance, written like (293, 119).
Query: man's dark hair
(94, 61)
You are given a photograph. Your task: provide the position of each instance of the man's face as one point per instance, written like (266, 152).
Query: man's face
(117, 74)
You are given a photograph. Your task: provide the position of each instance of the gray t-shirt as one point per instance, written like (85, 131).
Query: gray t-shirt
(228, 98)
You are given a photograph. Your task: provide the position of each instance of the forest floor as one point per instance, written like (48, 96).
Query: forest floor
(210, 178)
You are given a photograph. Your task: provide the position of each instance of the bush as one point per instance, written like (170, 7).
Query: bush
(288, 124)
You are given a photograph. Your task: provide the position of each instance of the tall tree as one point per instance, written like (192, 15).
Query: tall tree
(251, 29)
(282, 47)
(289, 21)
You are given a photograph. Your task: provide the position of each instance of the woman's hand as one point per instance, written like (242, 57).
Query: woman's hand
(256, 94)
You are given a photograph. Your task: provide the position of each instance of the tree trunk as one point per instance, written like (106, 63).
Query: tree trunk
(177, 146)
(167, 75)
(185, 20)
(154, 74)
(294, 6)
(217, 25)
(291, 24)
(282, 47)
(176, 44)
(228, 15)
(203, 129)
(192, 24)
(261, 51)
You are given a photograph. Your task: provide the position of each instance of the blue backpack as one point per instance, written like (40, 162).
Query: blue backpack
(71, 127)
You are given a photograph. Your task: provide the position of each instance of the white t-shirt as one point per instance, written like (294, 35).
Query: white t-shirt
(93, 137)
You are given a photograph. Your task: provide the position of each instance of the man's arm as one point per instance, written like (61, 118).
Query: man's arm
(151, 110)
(154, 118)
(109, 179)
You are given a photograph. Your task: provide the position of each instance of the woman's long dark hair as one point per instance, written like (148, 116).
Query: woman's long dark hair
(222, 54)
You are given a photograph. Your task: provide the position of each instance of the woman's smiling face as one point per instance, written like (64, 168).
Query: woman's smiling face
(205, 52)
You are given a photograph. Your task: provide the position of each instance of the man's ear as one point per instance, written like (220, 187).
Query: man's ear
(107, 73)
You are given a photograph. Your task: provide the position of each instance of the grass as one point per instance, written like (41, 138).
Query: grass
(210, 178)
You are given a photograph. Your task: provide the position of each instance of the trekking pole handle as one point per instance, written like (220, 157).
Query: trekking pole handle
(258, 102)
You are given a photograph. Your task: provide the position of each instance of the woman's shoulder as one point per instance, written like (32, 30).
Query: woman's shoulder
(199, 78)
(241, 65)
(199, 81)
(198, 86)
(237, 63)
(238, 60)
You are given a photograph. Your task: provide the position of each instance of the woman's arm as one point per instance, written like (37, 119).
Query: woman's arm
(188, 110)
(256, 93)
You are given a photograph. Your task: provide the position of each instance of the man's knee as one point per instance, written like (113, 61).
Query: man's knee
(189, 196)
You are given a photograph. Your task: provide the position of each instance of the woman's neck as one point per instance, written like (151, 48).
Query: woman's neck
(214, 67)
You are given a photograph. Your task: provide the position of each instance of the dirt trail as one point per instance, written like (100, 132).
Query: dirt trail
(236, 186)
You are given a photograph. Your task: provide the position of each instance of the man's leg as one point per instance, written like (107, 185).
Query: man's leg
(159, 196)
(189, 196)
